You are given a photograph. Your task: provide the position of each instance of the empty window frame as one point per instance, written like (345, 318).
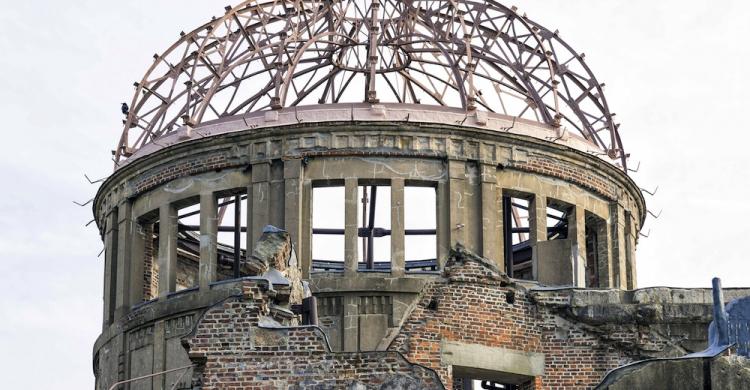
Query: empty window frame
(518, 251)
(516, 237)
(420, 227)
(596, 249)
(231, 236)
(188, 245)
(328, 228)
(558, 214)
(374, 227)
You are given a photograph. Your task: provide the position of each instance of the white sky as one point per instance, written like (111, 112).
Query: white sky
(675, 74)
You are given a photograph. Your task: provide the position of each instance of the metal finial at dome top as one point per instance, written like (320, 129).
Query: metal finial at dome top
(473, 55)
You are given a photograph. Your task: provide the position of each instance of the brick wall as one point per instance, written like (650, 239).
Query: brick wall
(234, 351)
(471, 306)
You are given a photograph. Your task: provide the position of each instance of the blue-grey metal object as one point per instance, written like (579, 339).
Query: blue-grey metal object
(719, 324)
(731, 325)
(738, 312)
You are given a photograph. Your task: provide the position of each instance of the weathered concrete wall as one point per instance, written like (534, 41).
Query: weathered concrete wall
(718, 373)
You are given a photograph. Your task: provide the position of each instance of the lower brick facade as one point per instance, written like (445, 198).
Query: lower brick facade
(244, 342)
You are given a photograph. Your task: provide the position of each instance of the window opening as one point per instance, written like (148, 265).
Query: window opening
(374, 221)
(328, 228)
(420, 227)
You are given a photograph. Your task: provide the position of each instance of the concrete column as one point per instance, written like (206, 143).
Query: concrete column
(167, 250)
(137, 259)
(631, 234)
(124, 258)
(457, 201)
(209, 225)
(258, 210)
(442, 223)
(537, 229)
(276, 184)
(604, 253)
(350, 226)
(577, 237)
(110, 267)
(351, 323)
(617, 245)
(305, 249)
(160, 355)
(491, 214)
(398, 260)
(292, 205)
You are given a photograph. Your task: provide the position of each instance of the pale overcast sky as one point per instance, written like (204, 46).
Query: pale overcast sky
(676, 75)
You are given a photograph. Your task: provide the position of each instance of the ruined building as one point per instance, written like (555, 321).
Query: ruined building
(372, 194)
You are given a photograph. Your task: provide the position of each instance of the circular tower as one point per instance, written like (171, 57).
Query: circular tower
(383, 137)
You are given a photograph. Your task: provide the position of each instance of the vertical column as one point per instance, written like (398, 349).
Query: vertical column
(276, 184)
(631, 233)
(537, 229)
(167, 250)
(577, 237)
(209, 225)
(292, 204)
(491, 225)
(160, 355)
(137, 259)
(398, 259)
(505, 245)
(110, 267)
(258, 196)
(457, 209)
(604, 254)
(350, 226)
(617, 245)
(124, 251)
(442, 223)
(351, 323)
(305, 240)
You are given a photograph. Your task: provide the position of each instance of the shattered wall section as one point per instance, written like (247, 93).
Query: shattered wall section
(578, 335)
(239, 344)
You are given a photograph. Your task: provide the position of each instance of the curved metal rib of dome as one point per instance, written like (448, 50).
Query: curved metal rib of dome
(474, 55)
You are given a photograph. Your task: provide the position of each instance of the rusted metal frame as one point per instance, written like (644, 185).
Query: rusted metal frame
(601, 100)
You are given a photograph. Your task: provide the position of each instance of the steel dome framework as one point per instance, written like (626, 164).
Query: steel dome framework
(265, 55)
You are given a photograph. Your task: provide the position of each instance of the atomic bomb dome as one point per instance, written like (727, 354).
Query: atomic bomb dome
(476, 57)
(376, 194)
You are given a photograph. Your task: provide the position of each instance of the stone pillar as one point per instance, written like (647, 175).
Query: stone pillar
(350, 226)
(351, 323)
(125, 225)
(305, 249)
(110, 267)
(537, 229)
(292, 205)
(398, 259)
(160, 355)
(631, 235)
(258, 203)
(604, 252)
(137, 258)
(577, 237)
(209, 225)
(491, 216)
(457, 201)
(617, 245)
(167, 250)
(442, 223)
